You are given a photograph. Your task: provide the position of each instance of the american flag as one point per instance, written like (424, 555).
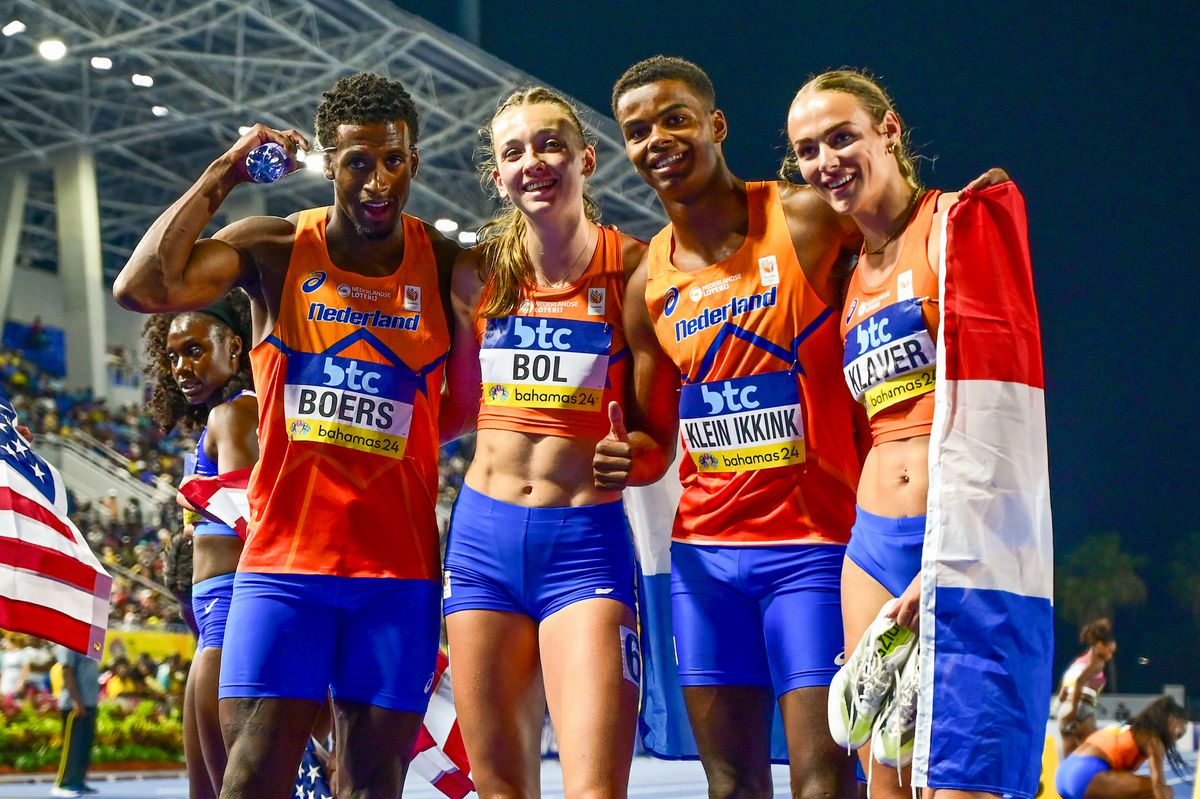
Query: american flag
(222, 498)
(51, 583)
(439, 755)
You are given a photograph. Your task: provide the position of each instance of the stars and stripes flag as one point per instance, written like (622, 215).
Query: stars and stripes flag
(987, 572)
(439, 755)
(221, 499)
(51, 583)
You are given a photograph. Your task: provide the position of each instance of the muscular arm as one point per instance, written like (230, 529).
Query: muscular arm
(1158, 778)
(651, 405)
(169, 269)
(232, 440)
(460, 399)
(826, 243)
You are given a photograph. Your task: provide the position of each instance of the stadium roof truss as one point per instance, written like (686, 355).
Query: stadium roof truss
(217, 65)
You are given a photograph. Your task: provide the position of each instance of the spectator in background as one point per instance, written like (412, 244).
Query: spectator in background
(80, 695)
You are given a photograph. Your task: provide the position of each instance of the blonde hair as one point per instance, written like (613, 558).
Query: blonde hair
(502, 240)
(875, 100)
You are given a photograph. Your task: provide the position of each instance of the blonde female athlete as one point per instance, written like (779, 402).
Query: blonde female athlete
(538, 580)
(848, 142)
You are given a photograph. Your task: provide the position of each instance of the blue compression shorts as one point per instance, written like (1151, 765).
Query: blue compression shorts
(210, 604)
(534, 561)
(757, 615)
(888, 549)
(1075, 773)
(366, 639)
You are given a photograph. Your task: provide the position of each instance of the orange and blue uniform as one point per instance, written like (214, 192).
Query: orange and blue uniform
(770, 467)
(550, 368)
(1120, 753)
(343, 496)
(890, 335)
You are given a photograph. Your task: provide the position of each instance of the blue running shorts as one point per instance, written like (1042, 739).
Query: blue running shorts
(757, 615)
(887, 548)
(210, 604)
(366, 639)
(534, 561)
(1075, 773)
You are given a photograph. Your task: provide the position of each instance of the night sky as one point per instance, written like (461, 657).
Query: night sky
(1092, 111)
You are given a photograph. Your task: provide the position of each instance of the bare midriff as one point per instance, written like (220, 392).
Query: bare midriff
(536, 471)
(895, 478)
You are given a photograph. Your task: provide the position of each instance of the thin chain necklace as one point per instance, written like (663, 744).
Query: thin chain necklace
(567, 278)
(905, 218)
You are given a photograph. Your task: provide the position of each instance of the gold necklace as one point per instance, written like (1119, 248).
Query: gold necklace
(546, 282)
(905, 218)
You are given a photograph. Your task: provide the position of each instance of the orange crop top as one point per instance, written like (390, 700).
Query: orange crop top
(552, 367)
(1119, 747)
(764, 412)
(890, 337)
(349, 384)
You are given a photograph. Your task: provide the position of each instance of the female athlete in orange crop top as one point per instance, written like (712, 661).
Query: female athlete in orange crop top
(1103, 766)
(539, 566)
(847, 142)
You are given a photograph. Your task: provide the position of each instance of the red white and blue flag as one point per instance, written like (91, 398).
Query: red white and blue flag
(51, 583)
(222, 498)
(987, 572)
(439, 755)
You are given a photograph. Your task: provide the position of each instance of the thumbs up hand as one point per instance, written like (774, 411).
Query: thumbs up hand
(614, 455)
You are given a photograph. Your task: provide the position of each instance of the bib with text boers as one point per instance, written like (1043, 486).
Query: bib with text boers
(346, 402)
(532, 362)
(743, 424)
(890, 357)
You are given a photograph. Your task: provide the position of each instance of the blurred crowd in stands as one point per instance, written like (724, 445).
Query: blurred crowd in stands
(132, 537)
(29, 674)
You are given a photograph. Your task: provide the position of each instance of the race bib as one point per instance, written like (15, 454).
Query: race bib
(544, 363)
(890, 357)
(743, 424)
(349, 403)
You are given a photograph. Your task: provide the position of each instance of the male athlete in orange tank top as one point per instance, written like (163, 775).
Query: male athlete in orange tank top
(351, 333)
(739, 291)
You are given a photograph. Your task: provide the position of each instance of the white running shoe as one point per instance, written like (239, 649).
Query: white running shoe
(860, 687)
(895, 732)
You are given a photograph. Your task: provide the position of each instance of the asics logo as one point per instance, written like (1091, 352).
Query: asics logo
(840, 660)
(208, 609)
(315, 281)
(603, 591)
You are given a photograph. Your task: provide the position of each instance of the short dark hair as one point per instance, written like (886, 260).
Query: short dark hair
(364, 99)
(665, 67)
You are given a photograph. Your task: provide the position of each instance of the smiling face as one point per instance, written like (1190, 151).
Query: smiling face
(541, 159)
(841, 151)
(372, 167)
(671, 136)
(203, 354)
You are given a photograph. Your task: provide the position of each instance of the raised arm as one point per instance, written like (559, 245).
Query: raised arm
(641, 443)
(170, 270)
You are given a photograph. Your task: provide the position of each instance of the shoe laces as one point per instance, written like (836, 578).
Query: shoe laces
(873, 685)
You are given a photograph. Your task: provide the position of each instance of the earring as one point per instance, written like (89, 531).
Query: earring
(891, 148)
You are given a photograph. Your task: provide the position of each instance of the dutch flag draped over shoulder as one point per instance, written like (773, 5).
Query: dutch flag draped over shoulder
(51, 583)
(987, 566)
(663, 726)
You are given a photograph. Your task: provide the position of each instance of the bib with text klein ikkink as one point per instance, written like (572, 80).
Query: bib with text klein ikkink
(743, 424)
(533, 362)
(890, 357)
(346, 402)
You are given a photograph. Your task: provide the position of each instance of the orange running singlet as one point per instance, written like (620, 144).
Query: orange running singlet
(1119, 747)
(552, 368)
(764, 412)
(349, 385)
(890, 334)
